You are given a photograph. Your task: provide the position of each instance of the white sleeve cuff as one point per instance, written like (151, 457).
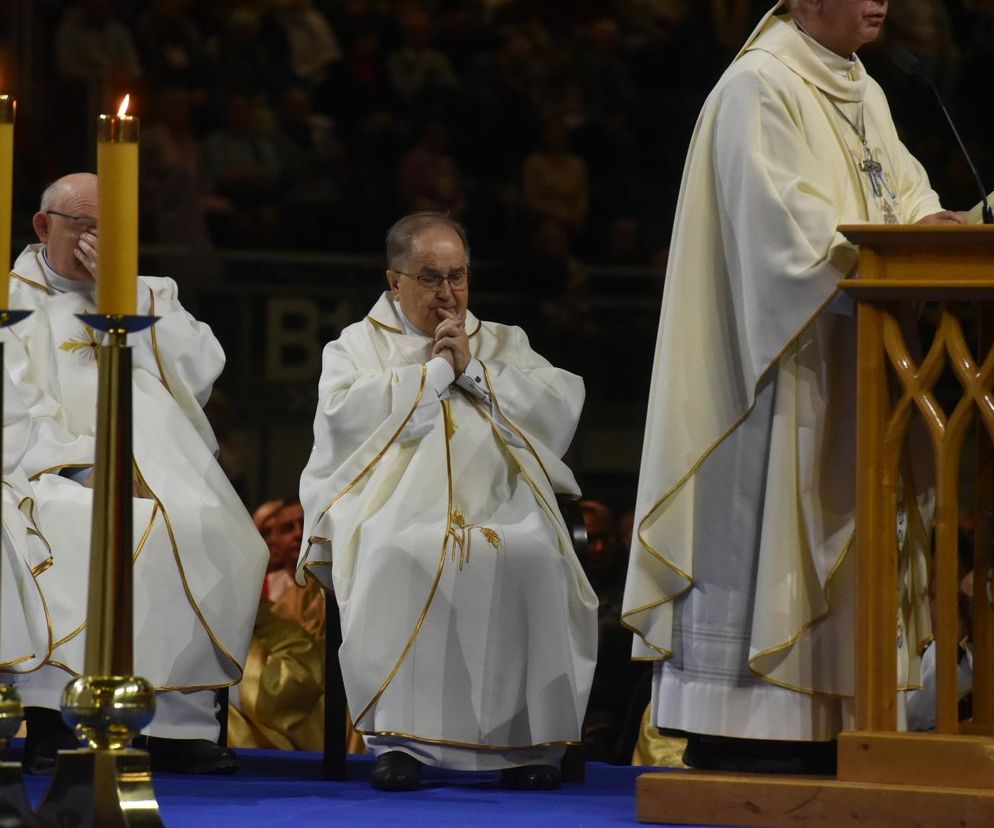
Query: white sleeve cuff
(440, 375)
(473, 380)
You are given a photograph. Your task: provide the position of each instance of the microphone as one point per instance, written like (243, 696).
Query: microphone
(910, 63)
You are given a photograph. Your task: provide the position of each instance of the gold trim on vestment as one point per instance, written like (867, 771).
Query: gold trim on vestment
(56, 469)
(551, 513)
(35, 572)
(70, 636)
(513, 425)
(186, 587)
(434, 586)
(34, 530)
(383, 325)
(307, 566)
(155, 342)
(392, 329)
(14, 662)
(664, 652)
(32, 283)
(394, 734)
(48, 624)
(45, 564)
(808, 625)
(134, 557)
(373, 462)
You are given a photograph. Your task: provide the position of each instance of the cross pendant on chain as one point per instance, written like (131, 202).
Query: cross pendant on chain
(873, 169)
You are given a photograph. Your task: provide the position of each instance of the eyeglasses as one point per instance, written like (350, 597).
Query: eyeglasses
(433, 281)
(81, 224)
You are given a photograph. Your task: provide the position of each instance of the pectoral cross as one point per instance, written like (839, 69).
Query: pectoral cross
(874, 172)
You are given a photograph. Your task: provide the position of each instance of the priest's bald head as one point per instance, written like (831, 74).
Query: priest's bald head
(428, 269)
(66, 223)
(840, 25)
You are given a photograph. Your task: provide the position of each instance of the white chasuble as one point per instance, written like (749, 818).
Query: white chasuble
(739, 583)
(199, 560)
(469, 628)
(25, 635)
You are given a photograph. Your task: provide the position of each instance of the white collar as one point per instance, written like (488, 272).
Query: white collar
(58, 283)
(406, 323)
(843, 66)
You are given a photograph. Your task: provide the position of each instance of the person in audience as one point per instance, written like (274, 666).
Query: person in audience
(281, 524)
(555, 181)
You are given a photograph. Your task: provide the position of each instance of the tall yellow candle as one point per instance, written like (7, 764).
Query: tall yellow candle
(117, 174)
(7, 107)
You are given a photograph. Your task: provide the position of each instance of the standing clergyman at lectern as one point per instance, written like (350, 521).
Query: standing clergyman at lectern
(741, 579)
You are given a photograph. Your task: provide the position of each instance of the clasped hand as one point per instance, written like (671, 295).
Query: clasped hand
(451, 341)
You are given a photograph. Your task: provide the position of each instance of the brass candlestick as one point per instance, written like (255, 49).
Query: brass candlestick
(14, 806)
(108, 784)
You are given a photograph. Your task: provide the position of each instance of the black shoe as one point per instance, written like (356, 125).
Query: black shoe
(47, 735)
(532, 778)
(396, 771)
(706, 752)
(192, 756)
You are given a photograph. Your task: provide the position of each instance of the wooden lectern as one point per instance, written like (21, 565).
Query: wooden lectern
(886, 777)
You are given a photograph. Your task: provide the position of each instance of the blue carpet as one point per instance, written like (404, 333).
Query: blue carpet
(275, 788)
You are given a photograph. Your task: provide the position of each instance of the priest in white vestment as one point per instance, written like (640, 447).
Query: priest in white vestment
(468, 626)
(199, 561)
(740, 584)
(25, 635)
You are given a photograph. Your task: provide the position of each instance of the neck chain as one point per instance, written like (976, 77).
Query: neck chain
(868, 164)
(858, 126)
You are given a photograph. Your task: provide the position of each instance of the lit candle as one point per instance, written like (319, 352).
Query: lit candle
(7, 107)
(117, 174)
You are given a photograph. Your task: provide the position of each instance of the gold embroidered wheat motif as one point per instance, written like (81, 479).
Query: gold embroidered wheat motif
(462, 537)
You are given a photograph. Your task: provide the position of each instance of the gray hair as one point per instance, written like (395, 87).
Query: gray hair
(401, 237)
(66, 186)
(50, 197)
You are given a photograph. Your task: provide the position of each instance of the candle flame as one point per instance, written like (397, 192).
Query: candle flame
(122, 110)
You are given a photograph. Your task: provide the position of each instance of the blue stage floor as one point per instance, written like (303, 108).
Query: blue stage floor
(275, 788)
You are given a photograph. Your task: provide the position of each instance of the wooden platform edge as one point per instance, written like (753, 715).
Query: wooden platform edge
(903, 758)
(680, 797)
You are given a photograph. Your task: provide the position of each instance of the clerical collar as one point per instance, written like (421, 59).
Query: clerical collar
(843, 66)
(60, 283)
(406, 323)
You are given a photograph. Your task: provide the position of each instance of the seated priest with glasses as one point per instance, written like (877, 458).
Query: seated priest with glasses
(468, 627)
(199, 560)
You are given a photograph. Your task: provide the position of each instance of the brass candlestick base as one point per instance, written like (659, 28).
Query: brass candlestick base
(102, 789)
(109, 784)
(15, 810)
(108, 711)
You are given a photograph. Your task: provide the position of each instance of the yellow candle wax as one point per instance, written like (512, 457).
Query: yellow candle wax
(7, 107)
(117, 174)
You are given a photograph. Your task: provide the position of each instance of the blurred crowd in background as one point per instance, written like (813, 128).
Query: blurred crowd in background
(552, 128)
(555, 130)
